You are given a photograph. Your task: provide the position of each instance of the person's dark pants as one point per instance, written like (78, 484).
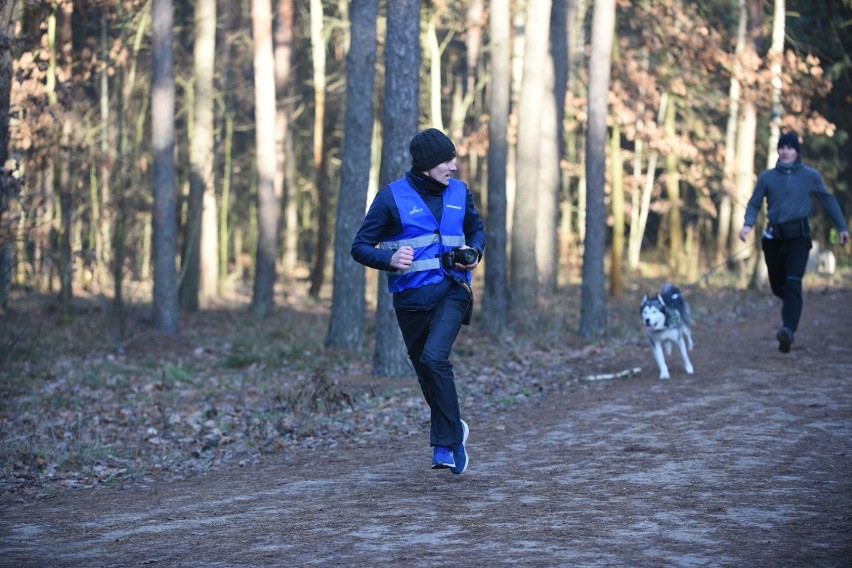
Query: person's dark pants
(429, 337)
(786, 260)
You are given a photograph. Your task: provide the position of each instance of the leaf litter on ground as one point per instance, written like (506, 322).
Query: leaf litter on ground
(81, 406)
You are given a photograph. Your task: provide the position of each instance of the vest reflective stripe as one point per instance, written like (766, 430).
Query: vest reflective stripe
(448, 241)
(418, 242)
(420, 230)
(420, 265)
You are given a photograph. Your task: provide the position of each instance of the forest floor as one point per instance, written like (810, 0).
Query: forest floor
(244, 444)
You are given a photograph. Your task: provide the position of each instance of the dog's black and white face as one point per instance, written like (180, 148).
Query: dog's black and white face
(653, 313)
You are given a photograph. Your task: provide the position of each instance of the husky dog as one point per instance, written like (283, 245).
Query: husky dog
(667, 320)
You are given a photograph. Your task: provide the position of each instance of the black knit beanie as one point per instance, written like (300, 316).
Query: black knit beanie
(430, 148)
(790, 139)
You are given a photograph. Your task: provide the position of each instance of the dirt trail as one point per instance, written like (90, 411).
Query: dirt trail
(746, 463)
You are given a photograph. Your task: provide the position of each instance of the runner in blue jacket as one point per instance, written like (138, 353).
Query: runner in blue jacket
(789, 189)
(415, 230)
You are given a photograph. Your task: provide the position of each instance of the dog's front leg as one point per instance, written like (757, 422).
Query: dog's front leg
(661, 360)
(683, 352)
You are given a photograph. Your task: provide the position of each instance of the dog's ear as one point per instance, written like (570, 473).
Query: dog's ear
(645, 298)
(660, 298)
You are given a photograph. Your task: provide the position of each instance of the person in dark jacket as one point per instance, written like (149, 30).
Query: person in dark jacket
(425, 232)
(788, 189)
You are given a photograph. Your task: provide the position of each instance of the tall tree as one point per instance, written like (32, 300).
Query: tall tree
(776, 58)
(673, 190)
(747, 127)
(200, 275)
(560, 37)
(524, 275)
(593, 318)
(284, 43)
(724, 234)
(8, 185)
(346, 324)
(268, 202)
(547, 189)
(165, 297)
(59, 45)
(616, 265)
(101, 217)
(496, 296)
(320, 181)
(400, 115)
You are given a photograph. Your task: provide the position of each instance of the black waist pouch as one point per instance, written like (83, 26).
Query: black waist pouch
(794, 229)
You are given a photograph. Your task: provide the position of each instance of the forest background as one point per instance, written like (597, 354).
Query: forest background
(162, 159)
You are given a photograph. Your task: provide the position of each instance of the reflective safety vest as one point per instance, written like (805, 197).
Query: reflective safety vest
(429, 240)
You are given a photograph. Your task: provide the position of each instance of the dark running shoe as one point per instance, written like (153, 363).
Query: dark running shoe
(785, 339)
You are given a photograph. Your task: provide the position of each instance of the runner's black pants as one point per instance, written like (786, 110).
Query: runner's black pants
(786, 260)
(429, 336)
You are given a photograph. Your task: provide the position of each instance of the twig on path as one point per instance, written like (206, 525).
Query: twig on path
(618, 375)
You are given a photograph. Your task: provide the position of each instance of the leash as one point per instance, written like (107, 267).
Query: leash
(717, 267)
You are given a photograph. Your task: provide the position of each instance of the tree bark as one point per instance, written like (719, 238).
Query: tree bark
(199, 284)
(747, 131)
(725, 236)
(9, 188)
(593, 318)
(346, 324)
(435, 115)
(616, 267)
(103, 207)
(400, 116)
(524, 275)
(675, 255)
(268, 203)
(60, 42)
(547, 191)
(776, 57)
(495, 302)
(164, 220)
(320, 181)
(284, 44)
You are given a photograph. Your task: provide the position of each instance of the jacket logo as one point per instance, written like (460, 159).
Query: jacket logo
(454, 207)
(415, 210)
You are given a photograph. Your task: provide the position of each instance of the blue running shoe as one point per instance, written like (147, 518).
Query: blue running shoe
(460, 454)
(442, 458)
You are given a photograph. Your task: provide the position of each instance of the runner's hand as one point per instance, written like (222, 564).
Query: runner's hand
(402, 258)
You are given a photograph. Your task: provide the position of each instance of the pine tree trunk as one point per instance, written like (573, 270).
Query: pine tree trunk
(524, 273)
(268, 203)
(593, 318)
(8, 186)
(202, 202)
(495, 303)
(547, 192)
(675, 255)
(616, 269)
(164, 220)
(726, 234)
(346, 324)
(318, 48)
(284, 43)
(776, 58)
(401, 111)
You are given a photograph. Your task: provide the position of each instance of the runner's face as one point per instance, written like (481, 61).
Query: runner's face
(443, 172)
(787, 154)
